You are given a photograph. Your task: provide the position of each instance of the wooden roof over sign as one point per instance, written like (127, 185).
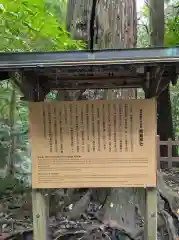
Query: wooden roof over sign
(82, 58)
(147, 68)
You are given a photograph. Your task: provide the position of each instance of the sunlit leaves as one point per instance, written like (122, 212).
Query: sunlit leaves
(145, 11)
(172, 32)
(27, 25)
(58, 8)
(31, 26)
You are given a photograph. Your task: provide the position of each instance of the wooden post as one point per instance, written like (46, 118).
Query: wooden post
(169, 153)
(40, 215)
(158, 152)
(40, 202)
(150, 228)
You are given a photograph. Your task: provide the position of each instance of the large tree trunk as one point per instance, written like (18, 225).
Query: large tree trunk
(116, 21)
(165, 125)
(78, 19)
(116, 24)
(156, 22)
(77, 24)
(115, 28)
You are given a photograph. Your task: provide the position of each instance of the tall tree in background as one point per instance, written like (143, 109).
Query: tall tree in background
(165, 126)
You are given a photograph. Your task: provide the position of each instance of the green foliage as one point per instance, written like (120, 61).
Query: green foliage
(16, 134)
(9, 185)
(30, 26)
(26, 25)
(58, 8)
(174, 97)
(172, 32)
(171, 38)
(144, 11)
(142, 27)
(142, 36)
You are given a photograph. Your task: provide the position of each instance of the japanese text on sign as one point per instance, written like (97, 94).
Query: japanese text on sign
(93, 143)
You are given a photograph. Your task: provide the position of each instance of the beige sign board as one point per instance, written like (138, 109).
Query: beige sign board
(93, 143)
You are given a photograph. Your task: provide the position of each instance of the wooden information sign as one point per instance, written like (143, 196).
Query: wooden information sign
(93, 143)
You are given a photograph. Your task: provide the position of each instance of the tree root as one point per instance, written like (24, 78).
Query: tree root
(171, 205)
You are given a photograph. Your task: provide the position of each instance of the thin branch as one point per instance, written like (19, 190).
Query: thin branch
(146, 3)
(146, 27)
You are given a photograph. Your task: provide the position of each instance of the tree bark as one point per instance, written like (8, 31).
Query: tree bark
(115, 27)
(156, 22)
(116, 21)
(78, 19)
(77, 24)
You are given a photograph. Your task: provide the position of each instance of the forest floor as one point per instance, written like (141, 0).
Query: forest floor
(16, 217)
(173, 179)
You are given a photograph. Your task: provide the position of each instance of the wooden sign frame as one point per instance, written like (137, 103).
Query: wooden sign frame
(93, 143)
